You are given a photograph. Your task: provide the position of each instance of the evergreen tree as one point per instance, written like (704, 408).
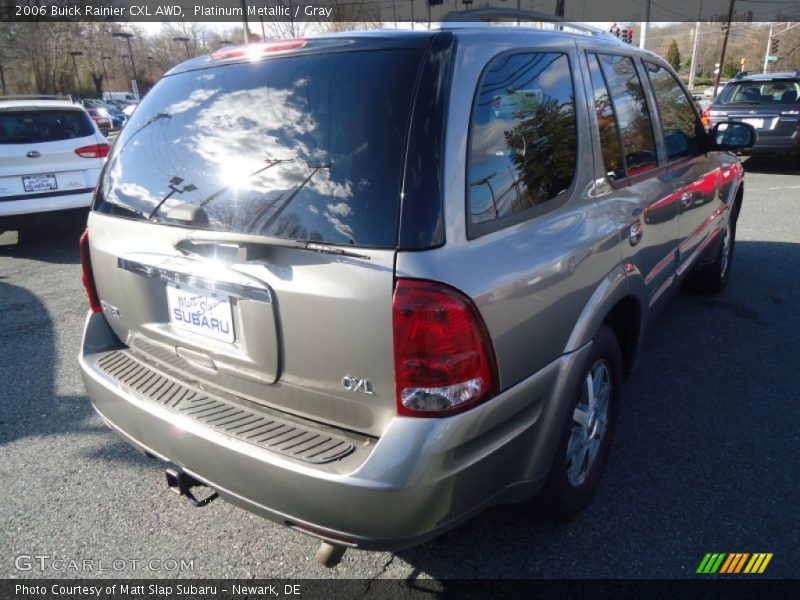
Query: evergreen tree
(674, 55)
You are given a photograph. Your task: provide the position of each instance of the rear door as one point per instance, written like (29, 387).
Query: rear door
(695, 173)
(246, 228)
(645, 203)
(38, 151)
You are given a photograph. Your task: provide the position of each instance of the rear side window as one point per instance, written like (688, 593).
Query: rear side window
(678, 117)
(307, 147)
(633, 116)
(606, 123)
(523, 138)
(32, 126)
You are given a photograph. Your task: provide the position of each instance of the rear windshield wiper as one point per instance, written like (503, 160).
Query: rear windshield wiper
(243, 245)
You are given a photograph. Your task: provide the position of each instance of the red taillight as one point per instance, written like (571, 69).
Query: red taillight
(94, 151)
(706, 117)
(257, 50)
(88, 277)
(443, 357)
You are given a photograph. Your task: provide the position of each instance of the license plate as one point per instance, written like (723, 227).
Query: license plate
(757, 123)
(39, 183)
(201, 312)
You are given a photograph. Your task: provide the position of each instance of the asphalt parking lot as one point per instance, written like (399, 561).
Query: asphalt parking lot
(705, 459)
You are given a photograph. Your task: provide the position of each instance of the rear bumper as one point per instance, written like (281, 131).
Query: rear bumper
(12, 206)
(420, 478)
(777, 145)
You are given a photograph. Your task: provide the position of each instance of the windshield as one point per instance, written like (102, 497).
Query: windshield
(305, 147)
(773, 92)
(32, 126)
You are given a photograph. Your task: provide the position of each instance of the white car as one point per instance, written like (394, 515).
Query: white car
(51, 153)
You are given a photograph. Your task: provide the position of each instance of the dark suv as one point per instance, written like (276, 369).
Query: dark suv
(369, 284)
(769, 102)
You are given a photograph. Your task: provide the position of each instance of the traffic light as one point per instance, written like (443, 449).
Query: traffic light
(627, 35)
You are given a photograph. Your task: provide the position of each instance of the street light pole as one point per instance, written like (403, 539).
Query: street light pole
(150, 70)
(128, 36)
(75, 54)
(185, 41)
(103, 60)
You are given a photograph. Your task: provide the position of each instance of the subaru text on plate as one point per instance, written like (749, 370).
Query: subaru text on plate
(369, 307)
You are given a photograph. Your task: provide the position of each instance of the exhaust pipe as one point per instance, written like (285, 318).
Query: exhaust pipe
(330, 555)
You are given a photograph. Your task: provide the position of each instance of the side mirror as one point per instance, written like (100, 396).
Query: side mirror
(733, 136)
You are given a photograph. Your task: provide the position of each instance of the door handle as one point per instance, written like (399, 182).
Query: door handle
(635, 233)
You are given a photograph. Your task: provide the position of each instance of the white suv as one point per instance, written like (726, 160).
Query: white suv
(51, 154)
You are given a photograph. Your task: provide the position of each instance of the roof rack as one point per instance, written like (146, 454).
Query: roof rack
(66, 97)
(515, 14)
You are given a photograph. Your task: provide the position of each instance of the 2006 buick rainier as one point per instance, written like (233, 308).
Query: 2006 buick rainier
(370, 307)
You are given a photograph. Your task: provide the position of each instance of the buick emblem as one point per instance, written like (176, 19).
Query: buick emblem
(33, 154)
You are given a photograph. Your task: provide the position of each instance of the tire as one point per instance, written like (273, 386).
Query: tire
(579, 463)
(713, 279)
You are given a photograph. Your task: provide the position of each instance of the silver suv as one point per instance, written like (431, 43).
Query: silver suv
(368, 285)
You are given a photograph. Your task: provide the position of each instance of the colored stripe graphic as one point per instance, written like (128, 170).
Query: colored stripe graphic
(758, 563)
(711, 562)
(733, 563)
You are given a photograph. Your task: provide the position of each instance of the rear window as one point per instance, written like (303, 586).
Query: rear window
(32, 126)
(772, 92)
(304, 147)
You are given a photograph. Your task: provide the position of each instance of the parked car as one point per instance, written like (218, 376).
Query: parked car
(50, 158)
(120, 110)
(709, 91)
(117, 114)
(101, 118)
(770, 103)
(370, 307)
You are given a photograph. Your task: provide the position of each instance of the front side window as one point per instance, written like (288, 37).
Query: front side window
(678, 118)
(633, 116)
(523, 140)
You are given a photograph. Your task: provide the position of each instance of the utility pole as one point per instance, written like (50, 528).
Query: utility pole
(693, 63)
(559, 8)
(644, 26)
(245, 31)
(724, 47)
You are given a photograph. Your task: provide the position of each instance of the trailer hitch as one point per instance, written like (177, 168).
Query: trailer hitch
(182, 483)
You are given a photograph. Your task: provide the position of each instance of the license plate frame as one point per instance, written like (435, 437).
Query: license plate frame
(201, 312)
(40, 183)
